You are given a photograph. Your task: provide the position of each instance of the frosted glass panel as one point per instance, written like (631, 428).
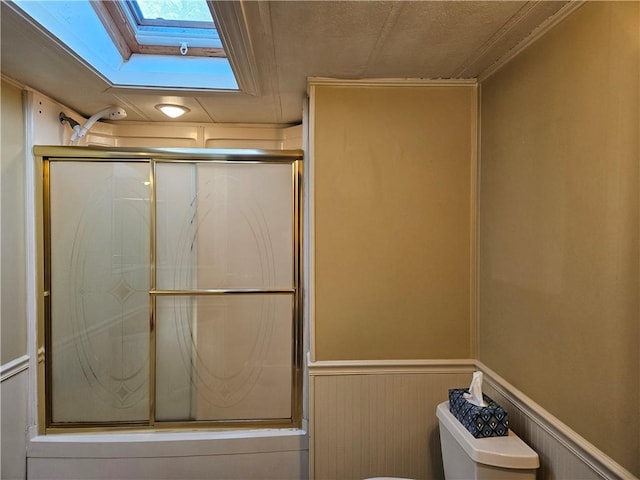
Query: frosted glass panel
(218, 355)
(99, 291)
(224, 225)
(224, 357)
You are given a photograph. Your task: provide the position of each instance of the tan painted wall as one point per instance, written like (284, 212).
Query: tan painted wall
(559, 195)
(392, 192)
(14, 316)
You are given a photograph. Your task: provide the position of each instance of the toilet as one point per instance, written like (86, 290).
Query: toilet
(495, 458)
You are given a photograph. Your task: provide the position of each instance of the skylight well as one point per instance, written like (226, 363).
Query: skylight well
(140, 43)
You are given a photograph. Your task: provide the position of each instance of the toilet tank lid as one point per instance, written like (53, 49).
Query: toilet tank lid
(507, 452)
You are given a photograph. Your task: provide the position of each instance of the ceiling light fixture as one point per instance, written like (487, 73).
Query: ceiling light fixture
(172, 111)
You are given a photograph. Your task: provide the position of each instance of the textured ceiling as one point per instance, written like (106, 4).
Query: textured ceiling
(294, 40)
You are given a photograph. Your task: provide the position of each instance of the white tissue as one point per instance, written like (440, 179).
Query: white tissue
(475, 391)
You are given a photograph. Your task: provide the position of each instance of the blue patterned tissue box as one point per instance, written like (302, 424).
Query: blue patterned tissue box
(489, 421)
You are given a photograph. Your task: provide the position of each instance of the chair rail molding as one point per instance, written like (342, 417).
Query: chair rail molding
(14, 367)
(380, 367)
(579, 447)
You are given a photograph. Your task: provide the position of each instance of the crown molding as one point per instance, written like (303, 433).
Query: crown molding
(12, 81)
(389, 82)
(568, 9)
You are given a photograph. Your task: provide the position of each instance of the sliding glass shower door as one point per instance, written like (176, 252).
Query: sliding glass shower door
(172, 292)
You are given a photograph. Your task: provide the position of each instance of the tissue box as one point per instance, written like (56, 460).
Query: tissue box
(489, 421)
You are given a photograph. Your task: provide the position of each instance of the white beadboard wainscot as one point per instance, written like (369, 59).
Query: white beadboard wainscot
(378, 418)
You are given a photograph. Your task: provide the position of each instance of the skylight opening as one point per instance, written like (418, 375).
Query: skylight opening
(101, 35)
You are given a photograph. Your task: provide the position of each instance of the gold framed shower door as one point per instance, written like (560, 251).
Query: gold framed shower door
(199, 298)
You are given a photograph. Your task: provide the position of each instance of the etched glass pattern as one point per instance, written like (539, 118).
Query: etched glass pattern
(223, 295)
(224, 226)
(99, 291)
(223, 357)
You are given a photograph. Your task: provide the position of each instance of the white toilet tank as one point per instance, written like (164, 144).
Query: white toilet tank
(496, 458)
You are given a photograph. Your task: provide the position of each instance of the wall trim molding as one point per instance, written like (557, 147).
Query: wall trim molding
(569, 8)
(231, 21)
(583, 450)
(597, 460)
(474, 237)
(390, 82)
(383, 367)
(14, 367)
(11, 81)
(480, 54)
(31, 250)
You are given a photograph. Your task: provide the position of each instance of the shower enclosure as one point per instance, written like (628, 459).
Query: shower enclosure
(171, 288)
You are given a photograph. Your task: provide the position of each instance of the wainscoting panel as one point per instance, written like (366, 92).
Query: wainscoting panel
(563, 453)
(377, 422)
(377, 418)
(15, 377)
(556, 461)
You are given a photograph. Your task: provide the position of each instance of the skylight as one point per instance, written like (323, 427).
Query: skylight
(169, 27)
(176, 47)
(176, 13)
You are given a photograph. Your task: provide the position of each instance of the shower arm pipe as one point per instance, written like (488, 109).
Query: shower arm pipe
(113, 113)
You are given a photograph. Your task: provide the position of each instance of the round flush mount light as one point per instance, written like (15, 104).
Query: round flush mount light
(172, 111)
